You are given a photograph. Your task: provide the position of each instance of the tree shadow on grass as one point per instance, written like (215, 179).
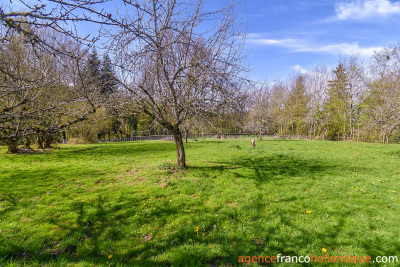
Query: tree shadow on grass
(276, 167)
(89, 238)
(96, 227)
(271, 167)
(9, 202)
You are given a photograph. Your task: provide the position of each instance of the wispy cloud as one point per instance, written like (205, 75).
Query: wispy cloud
(342, 48)
(299, 45)
(361, 10)
(265, 41)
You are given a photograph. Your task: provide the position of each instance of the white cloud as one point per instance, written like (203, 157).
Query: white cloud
(366, 9)
(315, 72)
(343, 48)
(299, 45)
(299, 69)
(263, 41)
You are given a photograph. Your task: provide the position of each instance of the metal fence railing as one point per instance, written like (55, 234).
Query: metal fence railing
(216, 136)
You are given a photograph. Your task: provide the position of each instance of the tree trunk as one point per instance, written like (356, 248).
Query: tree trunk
(28, 142)
(39, 141)
(180, 150)
(12, 144)
(65, 138)
(47, 141)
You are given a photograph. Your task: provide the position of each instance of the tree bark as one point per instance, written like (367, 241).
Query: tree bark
(28, 142)
(39, 141)
(12, 144)
(47, 141)
(180, 150)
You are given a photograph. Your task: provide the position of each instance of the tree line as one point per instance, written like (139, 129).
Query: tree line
(355, 100)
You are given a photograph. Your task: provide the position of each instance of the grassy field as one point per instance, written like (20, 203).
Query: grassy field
(122, 204)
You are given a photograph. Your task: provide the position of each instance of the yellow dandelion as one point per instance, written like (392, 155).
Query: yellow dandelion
(190, 240)
(394, 191)
(109, 256)
(383, 181)
(324, 250)
(308, 211)
(143, 225)
(202, 234)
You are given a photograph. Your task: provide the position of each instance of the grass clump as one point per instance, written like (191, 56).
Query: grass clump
(167, 166)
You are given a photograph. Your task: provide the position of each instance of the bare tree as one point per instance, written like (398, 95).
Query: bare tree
(382, 102)
(259, 118)
(178, 66)
(40, 93)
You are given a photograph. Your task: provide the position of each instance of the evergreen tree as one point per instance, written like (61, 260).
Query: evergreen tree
(93, 70)
(337, 106)
(298, 105)
(107, 76)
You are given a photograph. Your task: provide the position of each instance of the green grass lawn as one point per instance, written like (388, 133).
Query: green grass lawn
(123, 204)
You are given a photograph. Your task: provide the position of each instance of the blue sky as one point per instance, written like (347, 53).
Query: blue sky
(284, 36)
(289, 35)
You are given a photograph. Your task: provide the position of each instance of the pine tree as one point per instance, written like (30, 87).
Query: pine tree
(337, 106)
(93, 70)
(297, 105)
(107, 76)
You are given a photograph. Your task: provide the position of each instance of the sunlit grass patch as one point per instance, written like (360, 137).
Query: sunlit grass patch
(126, 204)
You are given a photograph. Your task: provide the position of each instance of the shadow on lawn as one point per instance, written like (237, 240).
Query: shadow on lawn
(100, 225)
(272, 167)
(280, 166)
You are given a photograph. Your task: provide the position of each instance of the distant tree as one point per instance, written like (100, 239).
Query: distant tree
(381, 105)
(108, 79)
(92, 70)
(277, 108)
(40, 93)
(317, 84)
(298, 105)
(259, 118)
(337, 105)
